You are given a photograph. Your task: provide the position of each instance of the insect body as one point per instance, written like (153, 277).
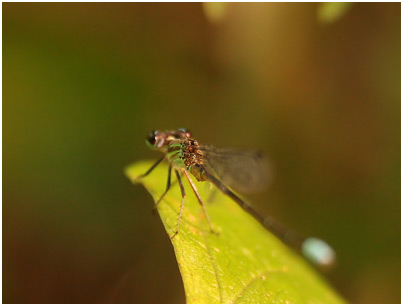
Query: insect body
(228, 170)
(184, 157)
(187, 154)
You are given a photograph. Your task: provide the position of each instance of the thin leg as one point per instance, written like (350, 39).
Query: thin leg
(212, 196)
(152, 168)
(198, 198)
(168, 186)
(182, 203)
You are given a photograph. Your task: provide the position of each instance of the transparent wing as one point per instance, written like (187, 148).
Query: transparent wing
(242, 170)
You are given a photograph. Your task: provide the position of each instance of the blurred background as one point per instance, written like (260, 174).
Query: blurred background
(316, 86)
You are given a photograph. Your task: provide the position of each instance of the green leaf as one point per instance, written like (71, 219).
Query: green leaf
(242, 263)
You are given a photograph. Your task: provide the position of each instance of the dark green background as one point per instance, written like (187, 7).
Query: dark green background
(84, 83)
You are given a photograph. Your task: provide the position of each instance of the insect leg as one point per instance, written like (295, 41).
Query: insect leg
(168, 186)
(212, 195)
(152, 168)
(182, 203)
(198, 198)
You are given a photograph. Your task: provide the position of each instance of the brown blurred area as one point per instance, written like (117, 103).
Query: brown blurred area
(84, 83)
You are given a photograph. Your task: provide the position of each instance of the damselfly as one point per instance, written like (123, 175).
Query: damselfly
(229, 170)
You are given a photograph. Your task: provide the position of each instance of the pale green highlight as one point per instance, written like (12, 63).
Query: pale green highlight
(329, 12)
(318, 251)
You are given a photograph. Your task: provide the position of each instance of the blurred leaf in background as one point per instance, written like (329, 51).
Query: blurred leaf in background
(83, 83)
(329, 12)
(215, 11)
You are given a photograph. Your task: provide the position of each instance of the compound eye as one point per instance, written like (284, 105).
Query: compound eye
(152, 138)
(183, 130)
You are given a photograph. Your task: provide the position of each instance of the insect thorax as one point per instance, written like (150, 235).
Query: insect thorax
(187, 154)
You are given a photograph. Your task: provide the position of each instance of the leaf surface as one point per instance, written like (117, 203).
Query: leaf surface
(243, 263)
